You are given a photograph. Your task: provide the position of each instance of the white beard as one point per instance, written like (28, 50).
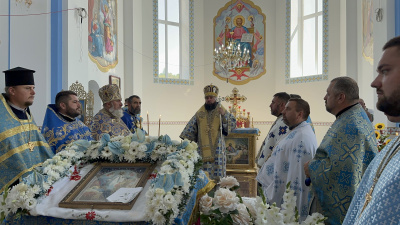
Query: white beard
(116, 112)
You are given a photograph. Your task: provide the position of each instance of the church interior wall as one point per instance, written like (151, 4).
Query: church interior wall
(177, 103)
(29, 47)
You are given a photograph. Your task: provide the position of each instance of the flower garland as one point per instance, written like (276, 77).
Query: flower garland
(227, 207)
(168, 192)
(22, 197)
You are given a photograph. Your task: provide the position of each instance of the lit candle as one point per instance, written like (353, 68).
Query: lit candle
(159, 125)
(148, 124)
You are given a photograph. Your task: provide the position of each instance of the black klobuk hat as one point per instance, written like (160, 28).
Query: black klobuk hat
(19, 76)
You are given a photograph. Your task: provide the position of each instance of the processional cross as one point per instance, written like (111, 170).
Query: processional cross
(235, 99)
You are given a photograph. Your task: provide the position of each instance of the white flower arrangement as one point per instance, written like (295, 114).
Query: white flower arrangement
(22, 197)
(227, 207)
(165, 198)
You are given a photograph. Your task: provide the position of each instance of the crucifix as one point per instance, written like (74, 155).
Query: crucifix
(235, 98)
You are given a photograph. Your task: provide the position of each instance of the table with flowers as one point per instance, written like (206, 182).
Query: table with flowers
(169, 196)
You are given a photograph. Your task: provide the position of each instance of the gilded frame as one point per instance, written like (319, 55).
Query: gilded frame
(115, 80)
(104, 173)
(240, 152)
(247, 184)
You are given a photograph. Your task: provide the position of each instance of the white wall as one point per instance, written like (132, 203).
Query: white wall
(30, 48)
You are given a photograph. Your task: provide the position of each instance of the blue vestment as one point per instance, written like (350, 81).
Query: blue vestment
(131, 121)
(105, 122)
(340, 162)
(384, 207)
(16, 158)
(204, 128)
(59, 132)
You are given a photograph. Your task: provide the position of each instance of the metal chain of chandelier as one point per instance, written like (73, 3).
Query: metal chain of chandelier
(231, 57)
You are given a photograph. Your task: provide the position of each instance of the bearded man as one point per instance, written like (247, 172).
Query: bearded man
(205, 129)
(61, 125)
(108, 119)
(131, 116)
(376, 199)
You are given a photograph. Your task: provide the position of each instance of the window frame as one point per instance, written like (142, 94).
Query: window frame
(190, 49)
(324, 51)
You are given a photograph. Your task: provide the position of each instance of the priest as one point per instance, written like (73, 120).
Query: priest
(205, 129)
(61, 125)
(131, 116)
(108, 119)
(22, 146)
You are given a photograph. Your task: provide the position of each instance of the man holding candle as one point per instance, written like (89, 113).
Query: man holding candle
(131, 116)
(108, 119)
(205, 129)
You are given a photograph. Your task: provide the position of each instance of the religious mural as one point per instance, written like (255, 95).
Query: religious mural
(102, 29)
(368, 39)
(241, 22)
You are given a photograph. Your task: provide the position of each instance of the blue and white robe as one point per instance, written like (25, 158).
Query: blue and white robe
(384, 207)
(286, 165)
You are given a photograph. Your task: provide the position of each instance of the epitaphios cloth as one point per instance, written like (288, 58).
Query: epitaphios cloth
(16, 158)
(286, 165)
(204, 128)
(340, 162)
(59, 132)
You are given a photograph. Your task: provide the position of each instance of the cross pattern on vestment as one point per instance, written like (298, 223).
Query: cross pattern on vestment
(350, 152)
(340, 202)
(208, 128)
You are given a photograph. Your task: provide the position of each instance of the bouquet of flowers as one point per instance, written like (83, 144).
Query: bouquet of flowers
(381, 135)
(227, 207)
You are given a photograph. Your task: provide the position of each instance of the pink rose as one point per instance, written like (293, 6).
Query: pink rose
(225, 200)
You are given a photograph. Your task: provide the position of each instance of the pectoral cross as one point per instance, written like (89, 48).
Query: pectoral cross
(368, 198)
(30, 146)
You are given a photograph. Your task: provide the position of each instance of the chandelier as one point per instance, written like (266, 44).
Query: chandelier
(231, 56)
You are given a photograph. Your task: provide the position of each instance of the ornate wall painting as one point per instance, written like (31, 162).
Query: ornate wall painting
(102, 29)
(368, 39)
(236, 14)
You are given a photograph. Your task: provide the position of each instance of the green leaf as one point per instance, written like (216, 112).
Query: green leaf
(260, 190)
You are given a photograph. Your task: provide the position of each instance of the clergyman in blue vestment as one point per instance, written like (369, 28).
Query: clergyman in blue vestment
(22, 146)
(61, 125)
(131, 116)
(377, 199)
(344, 153)
(108, 119)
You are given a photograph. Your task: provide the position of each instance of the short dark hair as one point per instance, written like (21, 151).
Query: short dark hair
(63, 96)
(394, 42)
(347, 86)
(283, 96)
(302, 105)
(131, 97)
(295, 96)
